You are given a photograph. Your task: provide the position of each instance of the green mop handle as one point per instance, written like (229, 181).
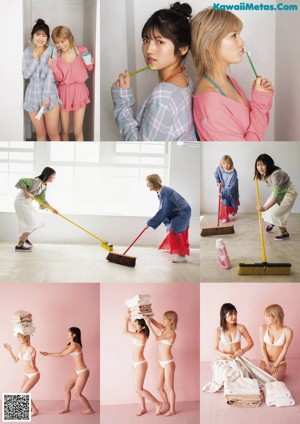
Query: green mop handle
(139, 70)
(262, 241)
(251, 63)
(69, 220)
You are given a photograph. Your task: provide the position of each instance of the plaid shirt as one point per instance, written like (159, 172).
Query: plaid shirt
(42, 84)
(166, 114)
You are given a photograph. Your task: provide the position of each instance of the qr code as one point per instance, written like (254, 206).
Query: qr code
(16, 407)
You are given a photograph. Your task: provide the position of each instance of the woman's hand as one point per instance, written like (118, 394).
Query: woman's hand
(44, 353)
(54, 211)
(7, 346)
(147, 320)
(28, 195)
(37, 53)
(260, 208)
(229, 356)
(262, 84)
(123, 81)
(273, 369)
(51, 61)
(46, 103)
(238, 353)
(92, 61)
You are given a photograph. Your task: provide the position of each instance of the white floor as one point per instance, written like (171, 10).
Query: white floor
(59, 263)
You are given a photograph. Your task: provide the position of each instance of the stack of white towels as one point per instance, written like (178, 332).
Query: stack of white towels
(243, 392)
(22, 323)
(140, 306)
(277, 394)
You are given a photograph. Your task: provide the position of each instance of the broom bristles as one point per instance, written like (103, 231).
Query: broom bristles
(215, 231)
(121, 259)
(265, 269)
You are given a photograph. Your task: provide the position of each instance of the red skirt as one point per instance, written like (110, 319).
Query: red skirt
(225, 211)
(177, 244)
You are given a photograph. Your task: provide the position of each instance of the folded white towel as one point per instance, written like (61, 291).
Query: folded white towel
(241, 386)
(277, 394)
(139, 299)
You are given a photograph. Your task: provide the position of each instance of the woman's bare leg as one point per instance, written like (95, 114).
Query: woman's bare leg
(160, 388)
(139, 378)
(65, 123)
(81, 380)
(51, 120)
(68, 387)
(39, 126)
(169, 384)
(27, 385)
(78, 124)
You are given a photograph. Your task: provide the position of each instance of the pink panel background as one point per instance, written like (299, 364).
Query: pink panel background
(55, 308)
(116, 347)
(250, 300)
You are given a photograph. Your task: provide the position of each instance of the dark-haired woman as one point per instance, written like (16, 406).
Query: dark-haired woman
(139, 364)
(28, 217)
(166, 114)
(81, 372)
(41, 90)
(230, 333)
(278, 206)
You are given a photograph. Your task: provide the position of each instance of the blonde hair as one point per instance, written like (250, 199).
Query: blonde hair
(155, 180)
(172, 316)
(227, 159)
(209, 27)
(62, 32)
(276, 312)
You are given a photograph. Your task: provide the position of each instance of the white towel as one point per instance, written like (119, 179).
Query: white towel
(241, 386)
(277, 394)
(139, 299)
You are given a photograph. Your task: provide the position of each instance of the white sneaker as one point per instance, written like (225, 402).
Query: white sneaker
(178, 259)
(224, 221)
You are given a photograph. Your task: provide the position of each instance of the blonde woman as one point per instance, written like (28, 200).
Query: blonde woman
(221, 109)
(27, 354)
(166, 339)
(275, 339)
(70, 70)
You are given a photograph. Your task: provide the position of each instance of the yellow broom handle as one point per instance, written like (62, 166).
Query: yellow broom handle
(67, 219)
(262, 241)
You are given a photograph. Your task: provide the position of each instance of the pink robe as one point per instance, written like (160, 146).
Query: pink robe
(219, 118)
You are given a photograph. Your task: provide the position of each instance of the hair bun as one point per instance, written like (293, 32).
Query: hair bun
(40, 21)
(184, 9)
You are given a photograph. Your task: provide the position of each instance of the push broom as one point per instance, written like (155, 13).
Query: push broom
(263, 268)
(215, 231)
(105, 244)
(122, 259)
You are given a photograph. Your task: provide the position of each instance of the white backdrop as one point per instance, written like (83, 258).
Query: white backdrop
(285, 154)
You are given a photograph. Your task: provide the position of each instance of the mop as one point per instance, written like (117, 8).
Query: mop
(122, 259)
(216, 231)
(105, 244)
(263, 268)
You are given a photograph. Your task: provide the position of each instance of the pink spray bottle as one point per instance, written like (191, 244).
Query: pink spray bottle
(224, 260)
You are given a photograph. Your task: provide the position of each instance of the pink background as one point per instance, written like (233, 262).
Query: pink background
(116, 348)
(55, 308)
(250, 300)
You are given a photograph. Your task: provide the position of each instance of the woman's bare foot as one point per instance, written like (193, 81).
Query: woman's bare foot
(34, 412)
(169, 413)
(141, 412)
(165, 409)
(64, 411)
(158, 406)
(87, 412)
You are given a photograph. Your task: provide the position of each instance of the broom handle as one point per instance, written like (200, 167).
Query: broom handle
(219, 202)
(262, 241)
(135, 240)
(69, 220)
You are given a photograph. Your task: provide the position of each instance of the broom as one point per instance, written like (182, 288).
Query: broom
(263, 268)
(122, 259)
(105, 244)
(215, 231)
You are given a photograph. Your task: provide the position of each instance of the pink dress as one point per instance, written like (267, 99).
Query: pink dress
(71, 77)
(219, 118)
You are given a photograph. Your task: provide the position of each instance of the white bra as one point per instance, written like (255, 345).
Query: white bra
(76, 353)
(137, 342)
(26, 356)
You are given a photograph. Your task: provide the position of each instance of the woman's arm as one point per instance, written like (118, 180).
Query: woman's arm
(267, 206)
(29, 63)
(32, 357)
(288, 339)
(248, 339)
(221, 354)
(14, 357)
(65, 352)
(156, 324)
(262, 330)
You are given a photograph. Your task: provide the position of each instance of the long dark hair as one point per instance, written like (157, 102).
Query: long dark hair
(46, 173)
(171, 23)
(225, 308)
(270, 164)
(77, 332)
(144, 327)
(40, 25)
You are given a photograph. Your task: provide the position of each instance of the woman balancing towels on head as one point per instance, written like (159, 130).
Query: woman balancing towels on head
(23, 329)
(230, 333)
(278, 206)
(166, 339)
(70, 70)
(81, 373)
(139, 364)
(175, 213)
(275, 339)
(226, 175)
(28, 217)
(41, 90)
(221, 109)
(166, 114)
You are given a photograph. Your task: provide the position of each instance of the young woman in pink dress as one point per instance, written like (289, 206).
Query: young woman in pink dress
(70, 70)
